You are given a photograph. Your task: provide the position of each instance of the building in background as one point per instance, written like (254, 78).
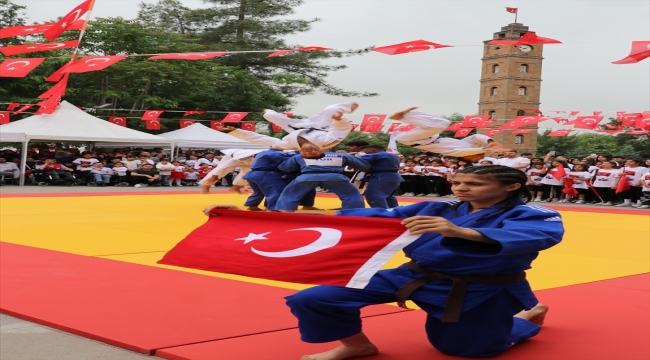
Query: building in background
(511, 79)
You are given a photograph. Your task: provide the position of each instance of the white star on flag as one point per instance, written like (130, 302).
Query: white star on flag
(253, 237)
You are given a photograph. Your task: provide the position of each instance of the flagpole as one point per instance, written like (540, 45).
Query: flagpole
(516, 13)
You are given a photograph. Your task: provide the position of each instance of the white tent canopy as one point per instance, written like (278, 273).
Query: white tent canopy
(71, 124)
(200, 136)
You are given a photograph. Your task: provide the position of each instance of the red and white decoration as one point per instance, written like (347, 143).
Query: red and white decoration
(5, 116)
(185, 123)
(117, 120)
(19, 68)
(152, 114)
(234, 117)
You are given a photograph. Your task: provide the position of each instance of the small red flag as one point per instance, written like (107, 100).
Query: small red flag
(574, 113)
(28, 48)
(19, 68)
(234, 117)
(373, 119)
(623, 183)
(559, 172)
(248, 125)
(462, 132)
(58, 74)
(280, 52)
(22, 30)
(528, 120)
(354, 127)
(559, 133)
(4, 117)
(193, 112)
(152, 114)
(117, 120)
(22, 109)
(587, 122)
(277, 128)
(313, 48)
(153, 124)
(492, 132)
(472, 121)
(527, 39)
(68, 20)
(393, 127)
(408, 47)
(188, 56)
(13, 106)
(371, 128)
(93, 63)
(511, 10)
(640, 51)
(48, 106)
(57, 90)
(454, 126)
(291, 247)
(185, 123)
(216, 125)
(629, 119)
(596, 113)
(642, 122)
(521, 131)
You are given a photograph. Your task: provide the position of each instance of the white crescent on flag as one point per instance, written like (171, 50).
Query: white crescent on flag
(18, 62)
(54, 45)
(187, 123)
(2, 115)
(97, 59)
(328, 238)
(77, 15)
(234, 115)
(154, 122)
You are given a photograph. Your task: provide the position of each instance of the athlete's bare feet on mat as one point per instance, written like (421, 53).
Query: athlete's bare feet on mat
(400, 114)
(237, 189)
(535, 315)
(310, 208)
(344, 352)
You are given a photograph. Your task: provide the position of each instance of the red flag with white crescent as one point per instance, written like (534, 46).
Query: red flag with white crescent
(5, 116)
(472, 121)
(57, 90)
(454, 126)
(28, 48)
(373, 120)
(492, 132)
(216, 125)
(406, 128)
(22, 30)
(462, 132)
(68, 20)
(234, 117)
(642, 122)
(117, 120)
(587, 122)
(484, 124)
(48, 106)
(153, 124)
(188, 56)
(277, 128)
(19, 68)
(296, 248)
(559, 133)
(528, 120)
(193, 112)
(13, 106)
(371, 128)
(22, 109)
(93, 63)
(152, 114)
(248, 125)
(629, 119)
(408, 47)
(185, 123)
(393, 127)
(511, 125)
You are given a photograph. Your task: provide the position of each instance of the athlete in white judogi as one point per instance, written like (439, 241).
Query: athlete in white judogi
(324, 130)
(426, 137)
(233, 158)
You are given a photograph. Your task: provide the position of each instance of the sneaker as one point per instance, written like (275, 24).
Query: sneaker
(607, 204)
(580, 202)
(408, 194)
(419, 195)
(644, 207)
(624, 204)
(555, 201)
(537, 199)
(137, 185)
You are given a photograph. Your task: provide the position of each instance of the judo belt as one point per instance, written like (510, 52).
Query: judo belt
(456, 296)
(308, 129)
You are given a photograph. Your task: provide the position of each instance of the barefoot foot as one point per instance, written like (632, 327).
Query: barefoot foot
(535, 315)
(310, 208)
(344, 352)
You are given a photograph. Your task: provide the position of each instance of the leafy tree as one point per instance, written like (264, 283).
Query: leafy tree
(11, 15)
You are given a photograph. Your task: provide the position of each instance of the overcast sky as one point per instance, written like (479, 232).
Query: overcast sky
(577, 75)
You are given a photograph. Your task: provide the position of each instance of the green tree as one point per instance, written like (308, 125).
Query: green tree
(11, 15)
(255, 25)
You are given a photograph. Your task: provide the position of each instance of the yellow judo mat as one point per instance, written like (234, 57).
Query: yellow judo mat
(141, 228)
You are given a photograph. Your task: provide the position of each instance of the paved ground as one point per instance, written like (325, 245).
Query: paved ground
(23, 340)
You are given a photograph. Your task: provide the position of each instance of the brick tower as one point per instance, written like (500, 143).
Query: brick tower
(511, 79)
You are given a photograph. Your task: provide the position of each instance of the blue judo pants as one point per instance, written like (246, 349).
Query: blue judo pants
(254, 199)
(329, 313)
(296, 190)
(379, 194)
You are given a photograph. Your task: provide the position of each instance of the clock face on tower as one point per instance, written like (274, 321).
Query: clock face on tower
(525, 48)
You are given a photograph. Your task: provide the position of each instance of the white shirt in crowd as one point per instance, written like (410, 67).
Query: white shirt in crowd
(120, 170)
(645, 179)
(633, 175)
(82, 161)
(518, 161)
(579, 184)
(213, 163)
(550, 180)
(606, 178)
(165, 169)
(138, 162)
(439, 171)
(102, 171)
(535, 175)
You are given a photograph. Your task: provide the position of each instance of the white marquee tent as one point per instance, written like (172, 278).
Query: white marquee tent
(200, 136)
(71, 124)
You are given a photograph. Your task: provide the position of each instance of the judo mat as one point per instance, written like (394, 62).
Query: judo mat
(100, 279)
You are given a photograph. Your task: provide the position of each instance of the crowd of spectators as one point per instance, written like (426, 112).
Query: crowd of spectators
(589, 180)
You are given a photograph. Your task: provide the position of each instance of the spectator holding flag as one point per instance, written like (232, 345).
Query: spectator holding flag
(554, 179)
(604, 181)
(630, 192)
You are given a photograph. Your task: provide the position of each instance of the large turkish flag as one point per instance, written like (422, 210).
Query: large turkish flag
(299, 248)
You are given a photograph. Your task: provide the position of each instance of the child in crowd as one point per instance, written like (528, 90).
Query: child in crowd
(165, 169)
(552, 185)
(177, 174)
(534, 184)
(191, 161)
(131, 163)
(101, 173)
(604, 181)
(436, 174)
(121, 172)
(191, 177)
(580, 175)
(410, 172)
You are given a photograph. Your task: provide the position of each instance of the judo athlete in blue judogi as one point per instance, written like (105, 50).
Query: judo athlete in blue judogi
(321, 169)
(265, 177)
(484, 243)
(382, 178)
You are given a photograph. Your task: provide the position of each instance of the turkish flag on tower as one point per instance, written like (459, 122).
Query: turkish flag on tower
(587, 122)
(185, 123)
(93, 63)
(152, 124)
(492, 132)
(296, 248)
(528, 120)
(19, 68)
(248, 125)
(152, 114)
(216, 125)
(511, 10)
(28, 48)
(234, 117)
(5, 116)
(68, 20)
(117, 120)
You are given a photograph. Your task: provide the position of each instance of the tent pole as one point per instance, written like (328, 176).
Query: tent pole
(23, 162)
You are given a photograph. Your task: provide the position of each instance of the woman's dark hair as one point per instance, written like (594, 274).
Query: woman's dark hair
(505, 176)
(564, 163)
(584, 167)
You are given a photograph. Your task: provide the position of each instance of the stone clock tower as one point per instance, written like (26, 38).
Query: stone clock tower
(511, 78)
